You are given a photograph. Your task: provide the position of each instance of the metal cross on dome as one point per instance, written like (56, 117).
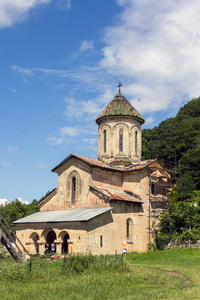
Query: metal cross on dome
(119, 85)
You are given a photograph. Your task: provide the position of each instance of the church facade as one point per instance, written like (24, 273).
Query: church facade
(100, 202)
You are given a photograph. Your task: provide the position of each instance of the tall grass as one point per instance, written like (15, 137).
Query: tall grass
(138, 276)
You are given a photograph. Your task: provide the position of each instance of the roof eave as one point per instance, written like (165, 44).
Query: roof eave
(100, 118)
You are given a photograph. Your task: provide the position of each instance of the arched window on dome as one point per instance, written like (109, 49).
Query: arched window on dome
(104, 141)
(121, 140)
(73, 199)
(136, 142)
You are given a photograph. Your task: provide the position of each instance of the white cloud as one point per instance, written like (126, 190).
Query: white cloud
(69, 135)
(86, 45)
(91, 143)
(3, 201)
(17, 10)
(149, 120)
(69, 131)
(89, 109)
(13, 11)
(155, 47)
(23, 201)
(76, 108)
(22, 71)
(64, 135)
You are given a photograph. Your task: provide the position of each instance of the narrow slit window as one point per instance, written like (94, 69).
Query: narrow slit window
(136, 142)
(73, 189)
(127, 229)
(121, 140)
(101, 241)
(104, 141)
(129, 226)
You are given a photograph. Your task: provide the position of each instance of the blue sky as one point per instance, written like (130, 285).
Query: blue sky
(60, 63)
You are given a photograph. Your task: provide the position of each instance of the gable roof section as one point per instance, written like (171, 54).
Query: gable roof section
(98, 163)
(120, 106)
(115, 194)
(78, 215)
(47, 197)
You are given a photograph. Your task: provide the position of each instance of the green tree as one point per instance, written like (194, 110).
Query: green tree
(178, 137)
(181, 220)
(15, 210)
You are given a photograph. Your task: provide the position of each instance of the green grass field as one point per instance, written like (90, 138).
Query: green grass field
(169, 274)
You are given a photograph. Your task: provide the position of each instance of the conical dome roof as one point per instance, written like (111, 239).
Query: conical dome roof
(120, 106)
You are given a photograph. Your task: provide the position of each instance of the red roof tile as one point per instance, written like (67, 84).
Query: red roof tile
(116, 194)
(103, 165)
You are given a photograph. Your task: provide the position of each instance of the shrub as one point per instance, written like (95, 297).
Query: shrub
(78, 264)
(162, 241)
(14, 272)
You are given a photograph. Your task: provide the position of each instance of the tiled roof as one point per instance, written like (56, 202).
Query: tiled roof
(103, 165)
(116, 194)
(120, 106)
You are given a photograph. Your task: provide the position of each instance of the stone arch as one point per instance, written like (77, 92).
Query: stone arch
(73, 187)
(45, 233)
(105, 126)
(64, 236)
(49, 235)
(34, 237)
(120, 124)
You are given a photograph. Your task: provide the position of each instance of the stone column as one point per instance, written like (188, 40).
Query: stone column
(58, 243)
(41, 246)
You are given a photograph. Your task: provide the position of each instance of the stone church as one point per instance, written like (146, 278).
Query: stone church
(100, 202)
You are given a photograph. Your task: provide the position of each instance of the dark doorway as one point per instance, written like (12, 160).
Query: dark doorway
(65, 243)
(51, 237)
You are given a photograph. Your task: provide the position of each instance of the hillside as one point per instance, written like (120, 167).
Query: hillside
(180, 137)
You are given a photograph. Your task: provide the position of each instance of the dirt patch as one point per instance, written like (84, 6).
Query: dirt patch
(176, 274)
(186, 282)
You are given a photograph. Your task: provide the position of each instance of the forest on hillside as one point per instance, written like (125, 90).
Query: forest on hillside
(176, 144)
(176, 141)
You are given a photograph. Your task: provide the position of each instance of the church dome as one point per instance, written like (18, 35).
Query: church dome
(120, 106)
(119, 132)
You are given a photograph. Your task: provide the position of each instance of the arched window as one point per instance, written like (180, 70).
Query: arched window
(136, 143)
(129, 229)
(104, 140)
(73, 190)
(120, 140)
(73, 187)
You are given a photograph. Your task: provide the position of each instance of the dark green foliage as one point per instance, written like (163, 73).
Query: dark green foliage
(15, 210)
(180, 221)
(161, 241)
(80, 263)
(178, 137)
